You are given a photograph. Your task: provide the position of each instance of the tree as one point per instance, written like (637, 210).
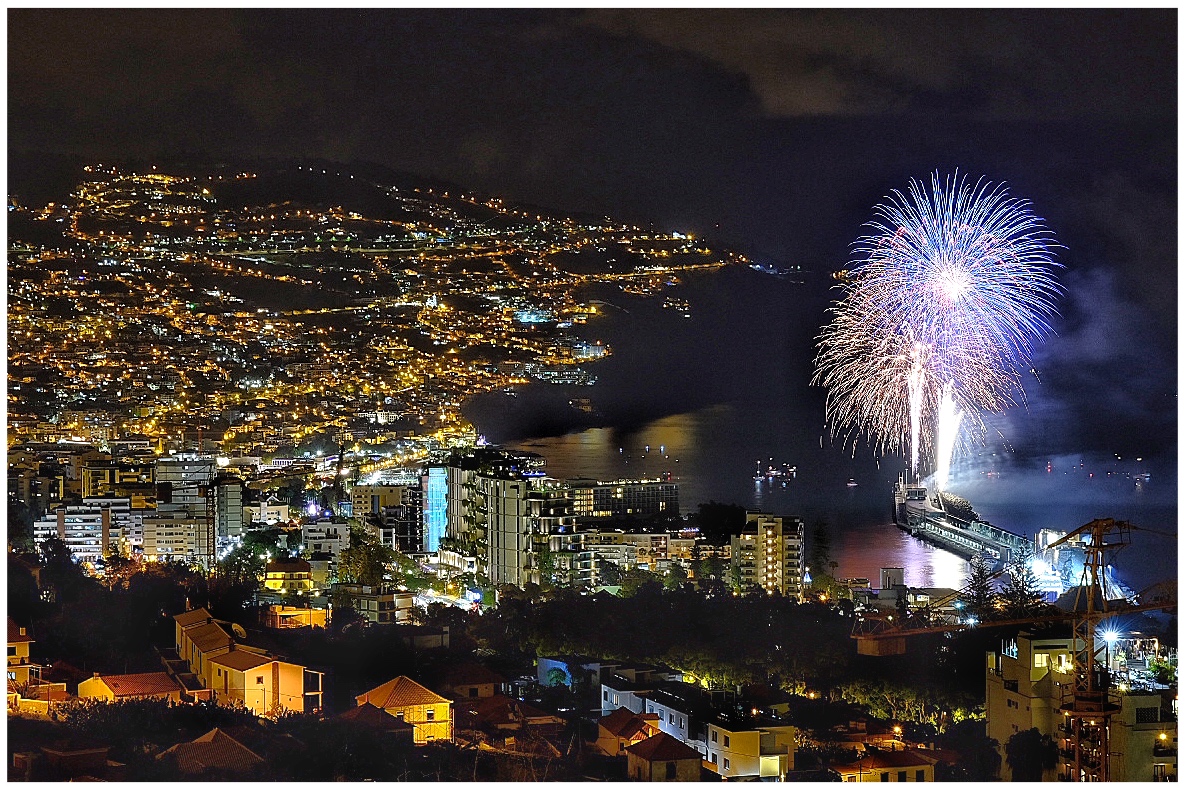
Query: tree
(1021, 596)
(636, 580)
(675, 577)
(20, 526)
(1030, 754)
(980, 597)
(610, 572)
(242, 565)
(365, 561)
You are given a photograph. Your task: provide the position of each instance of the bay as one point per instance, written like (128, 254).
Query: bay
(707, 399)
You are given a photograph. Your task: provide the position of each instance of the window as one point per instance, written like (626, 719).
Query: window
(1147, 715)
(670, 770)
(884, 776)
(920, 776)
(725, 741)
(713, 736)
(473, 691)
(259, 679)
(12, 650)
(901, 776)
(670, 718)
(726, 766)
(712, 759)
(1010, 685)
(1013, 704)
(220, 673)
(680, 722)
(1040, 660)
(604, 696)
(431, 714)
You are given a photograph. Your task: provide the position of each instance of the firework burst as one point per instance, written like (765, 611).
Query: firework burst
(946, 299)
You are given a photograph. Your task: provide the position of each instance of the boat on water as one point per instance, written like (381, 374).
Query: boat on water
(852, 482)
(768, 471)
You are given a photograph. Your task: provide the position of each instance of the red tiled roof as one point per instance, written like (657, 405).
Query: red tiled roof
(14, 633)
(241, 660)
(215, 750)
(375, 717)
(663, 747)
(295, 565)
(875, 760)
(624, 723)
(140, 685)
(399, 693)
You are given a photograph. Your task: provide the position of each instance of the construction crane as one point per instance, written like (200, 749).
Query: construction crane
(1088, 705)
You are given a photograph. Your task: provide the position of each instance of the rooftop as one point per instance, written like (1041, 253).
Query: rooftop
(400, 692)
(140, 685)
(663, 747)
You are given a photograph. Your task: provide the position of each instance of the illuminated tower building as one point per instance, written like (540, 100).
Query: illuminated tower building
(768, 554)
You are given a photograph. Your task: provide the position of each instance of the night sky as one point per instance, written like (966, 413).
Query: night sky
(772, 131)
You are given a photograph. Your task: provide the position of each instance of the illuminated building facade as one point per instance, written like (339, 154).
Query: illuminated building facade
(768, 554)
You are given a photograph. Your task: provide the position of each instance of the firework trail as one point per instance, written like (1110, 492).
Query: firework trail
(949, 419)
(947, 295)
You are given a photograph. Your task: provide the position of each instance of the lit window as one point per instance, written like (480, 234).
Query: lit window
(1040, 660)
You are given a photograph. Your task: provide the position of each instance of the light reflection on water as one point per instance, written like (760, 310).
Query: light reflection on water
(702, 455)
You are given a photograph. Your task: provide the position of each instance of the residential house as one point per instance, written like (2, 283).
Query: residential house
(144, 685)
(19, 665)
(663, 758)
(383, 603)
(216, 753)
(263, 684)
(875, 765)
(471, 680)
(27, 691)
(680, 707)
(623, 728)
(628, 686)
(753, 751)
(288, 575)
(429, 713)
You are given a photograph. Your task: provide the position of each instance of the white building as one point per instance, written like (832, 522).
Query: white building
(325, 535)
(768, 554)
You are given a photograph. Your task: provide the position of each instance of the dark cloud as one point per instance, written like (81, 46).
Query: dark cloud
(1000, 63)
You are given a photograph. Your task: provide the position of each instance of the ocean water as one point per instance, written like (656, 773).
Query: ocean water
(706, 400)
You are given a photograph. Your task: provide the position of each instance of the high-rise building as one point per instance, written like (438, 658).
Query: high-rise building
(228, 506)
(768, 554)
(396, 510)
(435, 496)
(184, 489)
